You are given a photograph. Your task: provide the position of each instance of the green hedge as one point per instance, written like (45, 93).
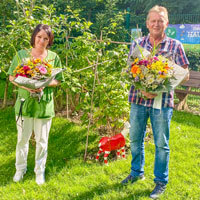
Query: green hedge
(193, 57)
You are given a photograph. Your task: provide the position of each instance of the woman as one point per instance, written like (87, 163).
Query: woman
(35, 115)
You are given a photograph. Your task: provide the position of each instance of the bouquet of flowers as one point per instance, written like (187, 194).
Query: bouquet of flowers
(153, 74)
(33, 68)
(34, 74)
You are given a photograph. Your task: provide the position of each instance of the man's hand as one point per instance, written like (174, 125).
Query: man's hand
(149, 95)
(187, 76)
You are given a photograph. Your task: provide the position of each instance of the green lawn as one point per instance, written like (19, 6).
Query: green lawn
(193, 47)
(68, 177)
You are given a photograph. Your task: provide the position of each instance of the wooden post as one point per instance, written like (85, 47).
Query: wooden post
(67, 92)
(182, 104)
(67, 102)
(91, 109)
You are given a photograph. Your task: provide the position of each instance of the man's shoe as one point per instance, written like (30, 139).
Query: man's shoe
(158, 190)
(132, 179)
(19, 175)
(40, 179)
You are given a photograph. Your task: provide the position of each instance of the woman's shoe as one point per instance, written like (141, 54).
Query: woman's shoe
(40, 179)
(19, 175)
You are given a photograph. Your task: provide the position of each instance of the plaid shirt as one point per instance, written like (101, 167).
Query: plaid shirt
(169, 48)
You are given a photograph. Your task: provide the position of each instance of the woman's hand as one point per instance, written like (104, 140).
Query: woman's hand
(54, 83)
(149, 95)
(11, 78)
(34, 90)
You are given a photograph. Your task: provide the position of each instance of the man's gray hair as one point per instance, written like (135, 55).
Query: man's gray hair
(161, 10)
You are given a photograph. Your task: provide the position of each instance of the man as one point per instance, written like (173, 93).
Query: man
(142, 109)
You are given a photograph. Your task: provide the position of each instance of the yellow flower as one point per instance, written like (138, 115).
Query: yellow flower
(138, 71)
(162, 76)
(141, 76)
(134, 75)
(136, 60)
(48, 65)
(37, 60)
(37, 70)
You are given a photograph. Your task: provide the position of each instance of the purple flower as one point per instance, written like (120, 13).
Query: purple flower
(136, 79)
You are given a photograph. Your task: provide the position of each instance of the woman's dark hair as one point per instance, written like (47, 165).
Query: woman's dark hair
(48, 31)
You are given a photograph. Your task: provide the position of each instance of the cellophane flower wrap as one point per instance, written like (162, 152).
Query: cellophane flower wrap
(155, 74)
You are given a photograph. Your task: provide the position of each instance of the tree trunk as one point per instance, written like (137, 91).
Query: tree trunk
(5, 94)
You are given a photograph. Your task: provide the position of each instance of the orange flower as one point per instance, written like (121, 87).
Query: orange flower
(148, 66)
(134, 69)
(166, 67)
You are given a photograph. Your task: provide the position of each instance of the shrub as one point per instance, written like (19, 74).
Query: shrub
(193, 57)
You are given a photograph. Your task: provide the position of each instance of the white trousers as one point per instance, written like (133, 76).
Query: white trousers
(41, 128)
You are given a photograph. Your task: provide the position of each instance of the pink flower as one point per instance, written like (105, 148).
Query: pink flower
(43, 70)
(155, 58)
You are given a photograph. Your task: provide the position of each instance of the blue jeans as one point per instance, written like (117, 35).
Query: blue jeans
(160, 121)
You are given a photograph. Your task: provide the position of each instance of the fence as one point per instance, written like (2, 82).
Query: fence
(133, 21)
